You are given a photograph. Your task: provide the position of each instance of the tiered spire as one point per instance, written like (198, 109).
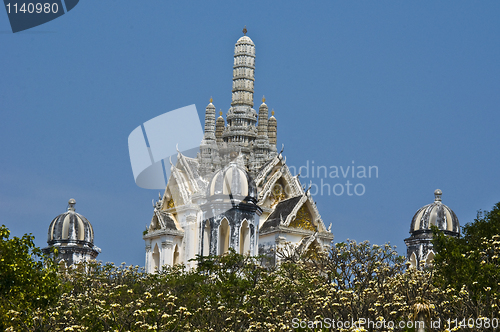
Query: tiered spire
(241, 118)
(263, 114)
(210, 121)
(209, 158)
(272, 129)
(219, 128)
(246, 133)
(243, 71)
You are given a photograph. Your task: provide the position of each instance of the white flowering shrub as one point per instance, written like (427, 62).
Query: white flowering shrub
(353, 282)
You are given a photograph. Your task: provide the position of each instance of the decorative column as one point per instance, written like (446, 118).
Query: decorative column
(148, 258)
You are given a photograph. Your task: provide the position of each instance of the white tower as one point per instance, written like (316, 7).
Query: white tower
(243, 71)
(241, 130)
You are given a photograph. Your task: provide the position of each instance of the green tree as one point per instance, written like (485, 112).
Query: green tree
(471, 261)
(28, 280)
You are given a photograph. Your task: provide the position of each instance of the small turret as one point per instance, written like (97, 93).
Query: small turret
(272, 129)
(210, 121)
(73, 236)
(219, 128)
(263, 114)
(420, 251)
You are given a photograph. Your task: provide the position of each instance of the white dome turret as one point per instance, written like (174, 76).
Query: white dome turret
(419, 248)
(71, 227)
(436, 214)
(73, 236)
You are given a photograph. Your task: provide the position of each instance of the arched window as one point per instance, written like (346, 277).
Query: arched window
(224, 231)
(430, 258)
(244, 238)
(176, 259)
(156, 258)
(206, 238)
(413, 260)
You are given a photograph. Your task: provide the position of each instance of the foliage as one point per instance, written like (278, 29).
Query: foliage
(471, 261)
(28, 280)
(352, 282)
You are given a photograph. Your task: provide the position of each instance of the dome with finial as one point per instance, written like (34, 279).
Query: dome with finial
(232, 182)
(70, 227)
(245, 39)
(436, 214)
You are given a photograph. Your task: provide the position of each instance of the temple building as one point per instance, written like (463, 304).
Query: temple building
(419, 246)
(238, 192)
(73, 237)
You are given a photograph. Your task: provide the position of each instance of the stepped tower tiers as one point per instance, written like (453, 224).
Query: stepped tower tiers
(262, 147)
(272, 129)
(208, 148)
(419, 246)
(73, 236)
(219, 128)
(243, 73)
(241, 130)
(238, 193)
(241, 134)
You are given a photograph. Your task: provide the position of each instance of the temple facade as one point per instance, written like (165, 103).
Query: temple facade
(238, 192)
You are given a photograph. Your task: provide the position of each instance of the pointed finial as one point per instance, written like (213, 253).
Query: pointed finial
(71, 204)
(220, 113)
(272, 112)
(211, 100)
(263, 99)
(437, 195)
(245, 30)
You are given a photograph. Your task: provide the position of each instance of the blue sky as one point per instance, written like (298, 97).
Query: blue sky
(410, 87)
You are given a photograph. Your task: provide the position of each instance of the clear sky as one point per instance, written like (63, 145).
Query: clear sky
(412, 87)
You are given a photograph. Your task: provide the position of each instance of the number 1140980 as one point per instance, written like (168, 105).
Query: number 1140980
(31, 8)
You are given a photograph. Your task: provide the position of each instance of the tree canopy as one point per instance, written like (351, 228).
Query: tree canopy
(28, 279)
(352, 283)
(471, 261)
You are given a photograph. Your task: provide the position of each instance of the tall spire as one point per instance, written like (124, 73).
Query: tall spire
(241, 118)
(243, 71)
